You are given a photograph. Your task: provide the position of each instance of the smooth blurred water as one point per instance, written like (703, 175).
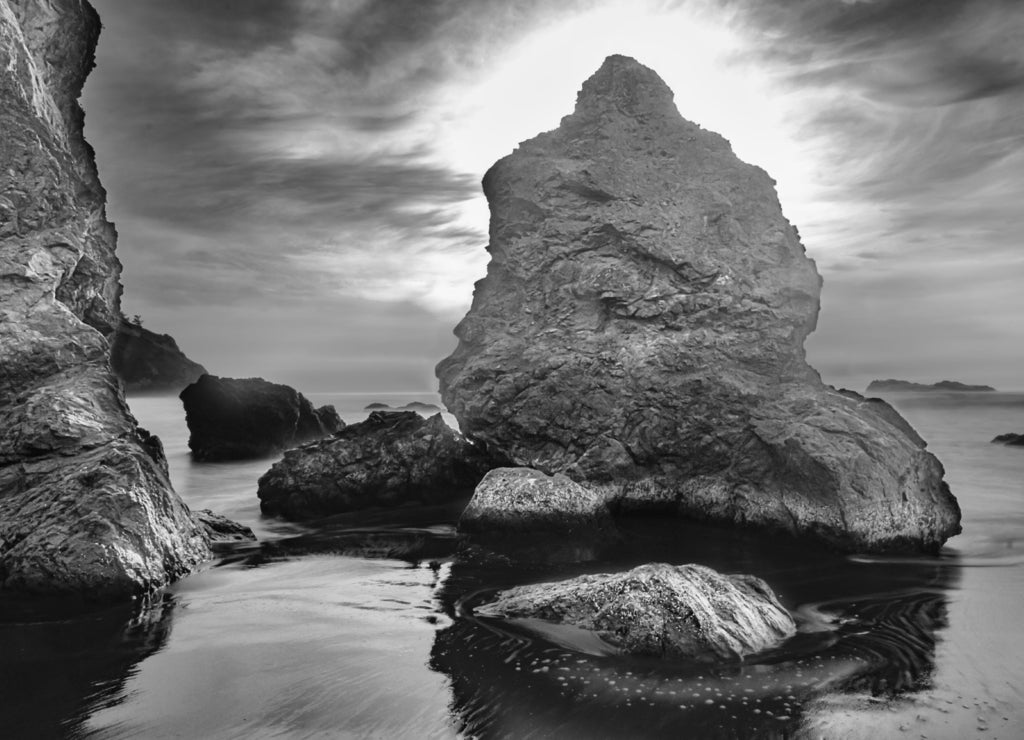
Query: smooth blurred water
(365, 628)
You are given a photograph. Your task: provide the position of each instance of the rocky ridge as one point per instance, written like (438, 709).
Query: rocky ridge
(641, 329)
(85, 504)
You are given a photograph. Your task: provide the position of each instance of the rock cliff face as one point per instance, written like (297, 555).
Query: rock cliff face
(641, 328)
(147, 361)
(85, 504)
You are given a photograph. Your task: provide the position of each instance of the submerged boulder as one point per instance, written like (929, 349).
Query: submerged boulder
(86, 509)
(681, 611)
(1010, 439)
(234, 419)
(641, 329)
(526, 501)
(391, 459)
(147, 361)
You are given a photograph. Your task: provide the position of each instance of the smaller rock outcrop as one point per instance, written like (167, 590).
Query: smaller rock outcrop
(881, 386)
(147, 361)
(684, 611)
(221, 530)
(524, 500)
(391, 459)
(1016, 440)
(234, 419)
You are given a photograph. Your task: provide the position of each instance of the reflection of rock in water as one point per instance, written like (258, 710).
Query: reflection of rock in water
(894, 637)
(411, 545)
(57, 671)
(414, 534)
(865, 626)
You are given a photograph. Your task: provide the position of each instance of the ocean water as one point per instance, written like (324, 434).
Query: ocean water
(366, 628)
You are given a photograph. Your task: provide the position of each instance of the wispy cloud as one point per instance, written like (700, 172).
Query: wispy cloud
(306, 151)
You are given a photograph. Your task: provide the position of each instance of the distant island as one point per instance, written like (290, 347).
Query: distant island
(413, 406)
(906, 385)
(1017, 440)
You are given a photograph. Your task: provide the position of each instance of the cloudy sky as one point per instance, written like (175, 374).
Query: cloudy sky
(296, 182)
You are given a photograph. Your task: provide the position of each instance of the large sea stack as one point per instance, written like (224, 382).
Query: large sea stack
(85, 504)
(641, 329)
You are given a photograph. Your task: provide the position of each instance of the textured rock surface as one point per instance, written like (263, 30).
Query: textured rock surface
(641, 329)
(238, 418)
(1010, 439)
(147, 361)
(656, 609)
(391, 459)
(85, 504)
(881, 386)
(523, 500)
(222, 530)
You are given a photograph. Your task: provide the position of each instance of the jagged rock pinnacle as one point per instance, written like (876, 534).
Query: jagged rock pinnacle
(625, 86)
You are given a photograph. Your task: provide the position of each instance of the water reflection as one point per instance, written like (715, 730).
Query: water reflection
(58, 666)
(330, 627)
(414, 535)
(864, 626)
(326, 631)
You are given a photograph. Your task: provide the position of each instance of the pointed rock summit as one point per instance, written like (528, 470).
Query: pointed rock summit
(625, 86)
(641, 329)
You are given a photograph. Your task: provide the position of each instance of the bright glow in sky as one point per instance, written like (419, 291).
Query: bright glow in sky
(527, 89)
(322, 161)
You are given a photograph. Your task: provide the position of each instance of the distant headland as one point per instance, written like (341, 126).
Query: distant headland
(876, 386)
(150, 362)
(423, 408)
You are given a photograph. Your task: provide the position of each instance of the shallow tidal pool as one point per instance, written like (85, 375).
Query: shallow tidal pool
(366, 628)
